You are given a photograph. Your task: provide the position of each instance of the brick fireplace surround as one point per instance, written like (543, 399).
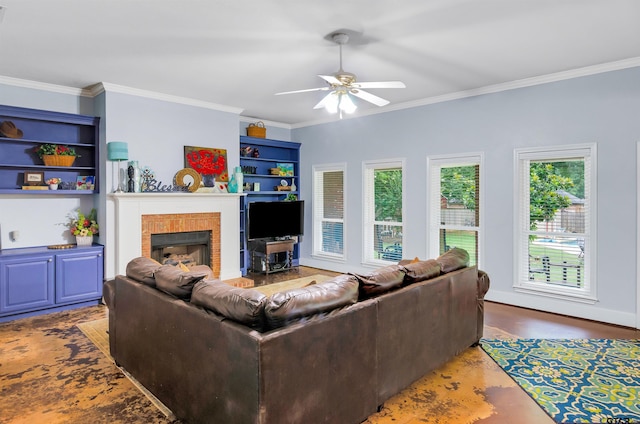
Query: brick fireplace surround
(137, 215)
(180, 223)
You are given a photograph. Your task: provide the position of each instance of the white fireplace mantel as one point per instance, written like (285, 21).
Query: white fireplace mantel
(130, 207)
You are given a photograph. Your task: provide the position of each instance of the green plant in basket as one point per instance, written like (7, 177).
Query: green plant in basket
(55, 149)
(84, 225)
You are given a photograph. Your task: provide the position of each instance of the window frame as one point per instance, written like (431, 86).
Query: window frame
(522, 158)
(368, 209)
(318, 215)
(437, 162)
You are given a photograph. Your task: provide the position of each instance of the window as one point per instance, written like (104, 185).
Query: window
(454, 200)
(328, 210)
(383, 211)
(555, 221)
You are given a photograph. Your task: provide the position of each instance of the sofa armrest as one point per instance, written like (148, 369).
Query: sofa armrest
(483, 288)
(109, 297)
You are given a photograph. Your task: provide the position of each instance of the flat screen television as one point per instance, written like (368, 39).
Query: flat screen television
(275, 219)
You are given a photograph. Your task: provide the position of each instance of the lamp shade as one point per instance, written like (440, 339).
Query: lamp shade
(117, 151)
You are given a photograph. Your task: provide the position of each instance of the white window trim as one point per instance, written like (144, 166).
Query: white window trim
(583, 295)
(366, 167)
(433, 225)
(317, 227)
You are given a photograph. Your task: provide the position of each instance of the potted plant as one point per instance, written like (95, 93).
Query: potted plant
(84, 227)
(56, 154)
(53, 183)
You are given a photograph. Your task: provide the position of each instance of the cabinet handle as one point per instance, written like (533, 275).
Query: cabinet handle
(49, 260)
(99, 255)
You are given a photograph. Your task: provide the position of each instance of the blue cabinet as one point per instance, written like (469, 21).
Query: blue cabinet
(26, 283)
(37, 280)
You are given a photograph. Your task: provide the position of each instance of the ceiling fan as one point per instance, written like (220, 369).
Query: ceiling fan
(342, 84)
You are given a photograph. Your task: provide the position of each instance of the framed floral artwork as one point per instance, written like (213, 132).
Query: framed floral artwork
(209, 162)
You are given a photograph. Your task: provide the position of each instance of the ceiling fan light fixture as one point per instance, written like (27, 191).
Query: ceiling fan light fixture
(342, 84)
(332, 102)
(346, 104)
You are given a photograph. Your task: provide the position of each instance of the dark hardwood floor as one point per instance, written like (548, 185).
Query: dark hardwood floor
(51, 373)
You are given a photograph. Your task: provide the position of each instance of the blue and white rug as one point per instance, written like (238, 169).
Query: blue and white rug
(577, 380)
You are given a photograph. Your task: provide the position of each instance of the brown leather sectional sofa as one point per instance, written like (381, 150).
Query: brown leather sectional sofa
(334, 366)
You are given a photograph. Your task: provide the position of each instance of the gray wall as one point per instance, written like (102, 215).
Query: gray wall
(601, 109)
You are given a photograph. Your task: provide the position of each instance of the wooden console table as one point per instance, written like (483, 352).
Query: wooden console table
(261, 249)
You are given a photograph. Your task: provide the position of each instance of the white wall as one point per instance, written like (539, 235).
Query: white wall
(600, 109)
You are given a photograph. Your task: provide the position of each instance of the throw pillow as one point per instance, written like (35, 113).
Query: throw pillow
(293, 304)
(453, 259)
(420, 271)
(380, 280)
(242, 305)
(142, 269)
(171, 279)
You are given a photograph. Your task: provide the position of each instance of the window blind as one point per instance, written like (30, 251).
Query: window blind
(329, 201)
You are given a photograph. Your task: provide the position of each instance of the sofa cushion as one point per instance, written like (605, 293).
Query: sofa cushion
(171, 279)
(379, 281)
(421, 270)
(242, 305)
(285, 306)
(453, 259)
(142, 269)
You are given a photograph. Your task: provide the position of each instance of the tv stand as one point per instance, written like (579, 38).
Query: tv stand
(263, 251)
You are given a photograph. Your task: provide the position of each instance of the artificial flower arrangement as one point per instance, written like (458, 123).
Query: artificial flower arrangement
(84, 225)
(54, 180)
(55, 149)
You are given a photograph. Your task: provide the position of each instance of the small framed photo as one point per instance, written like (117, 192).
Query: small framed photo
(33, 178)
(85, 182)
(286, 169)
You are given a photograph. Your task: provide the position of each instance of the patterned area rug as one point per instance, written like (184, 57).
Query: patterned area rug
(575, 381)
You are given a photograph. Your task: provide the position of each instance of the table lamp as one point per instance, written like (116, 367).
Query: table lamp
(117, 151)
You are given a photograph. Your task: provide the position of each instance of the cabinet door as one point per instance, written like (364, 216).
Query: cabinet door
(26, 283)
(79, 276)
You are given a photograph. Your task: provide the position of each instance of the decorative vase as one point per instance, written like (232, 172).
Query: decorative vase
(53, 186)
(84, 240)
(239, 178)
(233, 184)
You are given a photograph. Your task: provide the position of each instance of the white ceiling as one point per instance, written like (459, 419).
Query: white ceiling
(240, 52)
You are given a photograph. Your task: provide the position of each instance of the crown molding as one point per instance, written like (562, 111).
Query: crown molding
(252, 120)
(101, 87)
(62, 89)
(114, 88)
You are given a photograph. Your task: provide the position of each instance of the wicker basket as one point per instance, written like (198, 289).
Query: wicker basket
(257, 130)
(58, 160)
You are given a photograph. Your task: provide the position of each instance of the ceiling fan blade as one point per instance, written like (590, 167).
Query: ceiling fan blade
(331, 79)
(380, 84)
(304, 91)
(323, 103)
(371, 98)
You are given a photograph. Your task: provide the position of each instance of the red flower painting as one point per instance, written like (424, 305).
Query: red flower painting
(208, 162)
